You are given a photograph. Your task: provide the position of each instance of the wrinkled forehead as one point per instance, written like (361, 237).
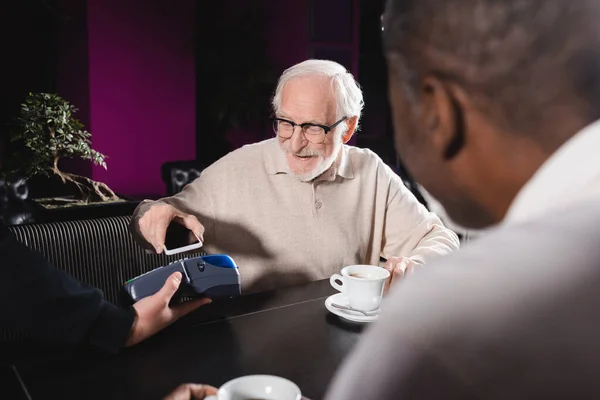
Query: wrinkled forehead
(309, 99)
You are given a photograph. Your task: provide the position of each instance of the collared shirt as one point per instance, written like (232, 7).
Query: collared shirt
(570, 175)
(523, 297)
(282, 231)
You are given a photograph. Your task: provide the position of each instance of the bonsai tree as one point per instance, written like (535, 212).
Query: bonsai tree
(48, 132)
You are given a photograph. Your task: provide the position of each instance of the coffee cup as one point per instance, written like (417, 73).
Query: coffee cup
(362, 285)
(258, 387)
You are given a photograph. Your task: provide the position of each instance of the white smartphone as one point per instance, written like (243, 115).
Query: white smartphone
(179, 239)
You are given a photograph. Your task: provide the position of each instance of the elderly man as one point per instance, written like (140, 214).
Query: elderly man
(496, 107)
(301, 206)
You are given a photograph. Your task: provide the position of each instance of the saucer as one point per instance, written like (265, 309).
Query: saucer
(353, 316)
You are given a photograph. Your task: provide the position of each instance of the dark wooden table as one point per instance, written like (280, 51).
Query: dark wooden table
(287, 332)
(11, 386)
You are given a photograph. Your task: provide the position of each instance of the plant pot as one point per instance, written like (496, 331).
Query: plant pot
(69, 209)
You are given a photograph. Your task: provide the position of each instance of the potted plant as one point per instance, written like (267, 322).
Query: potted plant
(45, 132)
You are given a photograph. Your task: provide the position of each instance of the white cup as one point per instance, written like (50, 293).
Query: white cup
(258, 387)
(362, 285)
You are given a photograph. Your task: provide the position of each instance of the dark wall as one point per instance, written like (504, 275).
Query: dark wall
(376, 132)
(26, 40)
(71, 66)
(235, 74)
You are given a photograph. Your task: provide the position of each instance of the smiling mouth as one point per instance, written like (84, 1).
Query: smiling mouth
(303, 157)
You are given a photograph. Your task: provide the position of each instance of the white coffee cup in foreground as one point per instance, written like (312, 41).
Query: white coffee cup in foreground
(258, 387)
(362, 285)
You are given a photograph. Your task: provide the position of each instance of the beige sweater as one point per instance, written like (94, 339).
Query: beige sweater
(282, 231)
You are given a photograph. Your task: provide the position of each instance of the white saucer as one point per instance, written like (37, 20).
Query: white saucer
(353, 316)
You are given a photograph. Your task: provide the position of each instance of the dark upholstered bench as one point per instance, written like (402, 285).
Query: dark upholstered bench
(99, 252)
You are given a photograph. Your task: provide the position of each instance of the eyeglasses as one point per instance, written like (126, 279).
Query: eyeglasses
(314, 133)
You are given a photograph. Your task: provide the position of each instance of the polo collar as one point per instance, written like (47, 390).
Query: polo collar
(275, 162)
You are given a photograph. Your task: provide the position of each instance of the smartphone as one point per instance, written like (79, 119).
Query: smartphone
(179, 239)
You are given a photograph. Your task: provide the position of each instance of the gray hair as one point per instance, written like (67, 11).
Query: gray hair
(515, 57)
(348, 94)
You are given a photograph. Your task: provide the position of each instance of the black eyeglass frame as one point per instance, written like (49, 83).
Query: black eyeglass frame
(304, 125)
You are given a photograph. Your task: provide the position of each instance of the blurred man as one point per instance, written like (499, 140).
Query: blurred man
(301, 206)
(496, 107)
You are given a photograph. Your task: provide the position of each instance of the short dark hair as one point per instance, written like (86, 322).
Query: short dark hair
(516, 57)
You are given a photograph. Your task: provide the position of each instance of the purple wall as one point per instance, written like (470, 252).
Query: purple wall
(141, 89)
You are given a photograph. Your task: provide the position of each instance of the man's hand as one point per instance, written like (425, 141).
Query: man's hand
(154, 313)
(155, 221)
(398, 267)
(191, 391)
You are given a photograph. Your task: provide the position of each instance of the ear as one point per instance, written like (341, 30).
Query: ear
(351, 128)
(438, 113)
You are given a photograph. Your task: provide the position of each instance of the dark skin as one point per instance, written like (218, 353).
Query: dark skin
(479, 183)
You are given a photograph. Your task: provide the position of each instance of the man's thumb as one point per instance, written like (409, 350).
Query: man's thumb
(171, 286)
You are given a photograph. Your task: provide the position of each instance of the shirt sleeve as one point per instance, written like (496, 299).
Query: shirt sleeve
(411, 230)
(51, 306)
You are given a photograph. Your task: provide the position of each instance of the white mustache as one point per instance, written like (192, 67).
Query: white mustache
(302, 153)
